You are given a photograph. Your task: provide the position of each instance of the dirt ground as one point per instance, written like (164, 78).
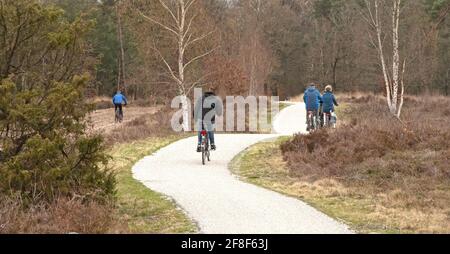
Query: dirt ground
(103, 120)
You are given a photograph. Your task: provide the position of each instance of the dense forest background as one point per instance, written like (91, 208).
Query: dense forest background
(271, 47)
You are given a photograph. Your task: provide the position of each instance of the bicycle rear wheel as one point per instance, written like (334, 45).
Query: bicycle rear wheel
(313, 123)
(117, 116)
(308, 124)
(203, 156)
(207, 148)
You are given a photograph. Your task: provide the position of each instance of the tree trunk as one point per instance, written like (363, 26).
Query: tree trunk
(446, 83)
(186, 109)
(181, 83)
(118, 73)
(181, 30)
(122, 51)
(395, 56)
(391, 85)
(336, 60)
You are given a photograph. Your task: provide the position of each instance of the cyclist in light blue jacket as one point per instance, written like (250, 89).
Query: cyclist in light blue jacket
(119, 99)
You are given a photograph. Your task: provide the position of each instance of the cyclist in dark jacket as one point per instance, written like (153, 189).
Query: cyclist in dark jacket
(329, 101)
(205, 111)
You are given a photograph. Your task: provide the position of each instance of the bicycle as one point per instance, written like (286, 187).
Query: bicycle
(312, 123)
(205, 147)
(118, 115)
(329, 120)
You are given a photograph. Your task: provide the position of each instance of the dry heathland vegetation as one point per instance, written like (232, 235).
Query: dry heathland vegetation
(61, 216)
(402, 166)
(373, 172)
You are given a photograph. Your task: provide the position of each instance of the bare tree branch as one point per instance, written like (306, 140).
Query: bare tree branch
(159, 23)
(189, 26)
(197, 82)
(189, 42)
(189, 4)
(170, 12)
(198, 57)
(167, 65)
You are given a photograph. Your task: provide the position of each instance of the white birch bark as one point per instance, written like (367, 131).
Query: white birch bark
(182, 16)
(395, 55)
(393, 98)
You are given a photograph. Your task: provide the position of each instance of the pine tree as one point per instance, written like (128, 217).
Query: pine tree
(46, 152)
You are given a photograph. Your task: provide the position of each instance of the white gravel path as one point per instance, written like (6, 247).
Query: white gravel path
(291, 120)
(221, 204)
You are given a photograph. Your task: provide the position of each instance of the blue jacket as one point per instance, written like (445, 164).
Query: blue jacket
(119, 99)
(312, 99)
(328, 102)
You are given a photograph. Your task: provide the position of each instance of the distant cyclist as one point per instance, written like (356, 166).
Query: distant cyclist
(312, 99)
(119, 99)
(329, 101)
(205, 111)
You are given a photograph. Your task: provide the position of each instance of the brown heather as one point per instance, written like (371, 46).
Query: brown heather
(374, 153)
(62, 216)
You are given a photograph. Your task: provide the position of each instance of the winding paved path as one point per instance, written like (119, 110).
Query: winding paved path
(217, 201)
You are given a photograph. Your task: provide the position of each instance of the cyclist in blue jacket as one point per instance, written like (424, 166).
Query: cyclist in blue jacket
(119, 99)
(329, 101)
(312, 99)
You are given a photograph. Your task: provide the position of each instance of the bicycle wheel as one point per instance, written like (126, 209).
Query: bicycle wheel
(314, 123)
(207, 147)
(308, 124)
(203, 155)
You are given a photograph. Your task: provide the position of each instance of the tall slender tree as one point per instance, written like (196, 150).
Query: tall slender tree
(393, 80)
(182, 18)
(121, 80)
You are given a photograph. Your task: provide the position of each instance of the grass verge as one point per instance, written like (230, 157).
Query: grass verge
(263, 165)
(143, 210)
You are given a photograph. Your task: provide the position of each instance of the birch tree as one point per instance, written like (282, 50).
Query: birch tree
(182, 18)
(121, 81)
(394, 79)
